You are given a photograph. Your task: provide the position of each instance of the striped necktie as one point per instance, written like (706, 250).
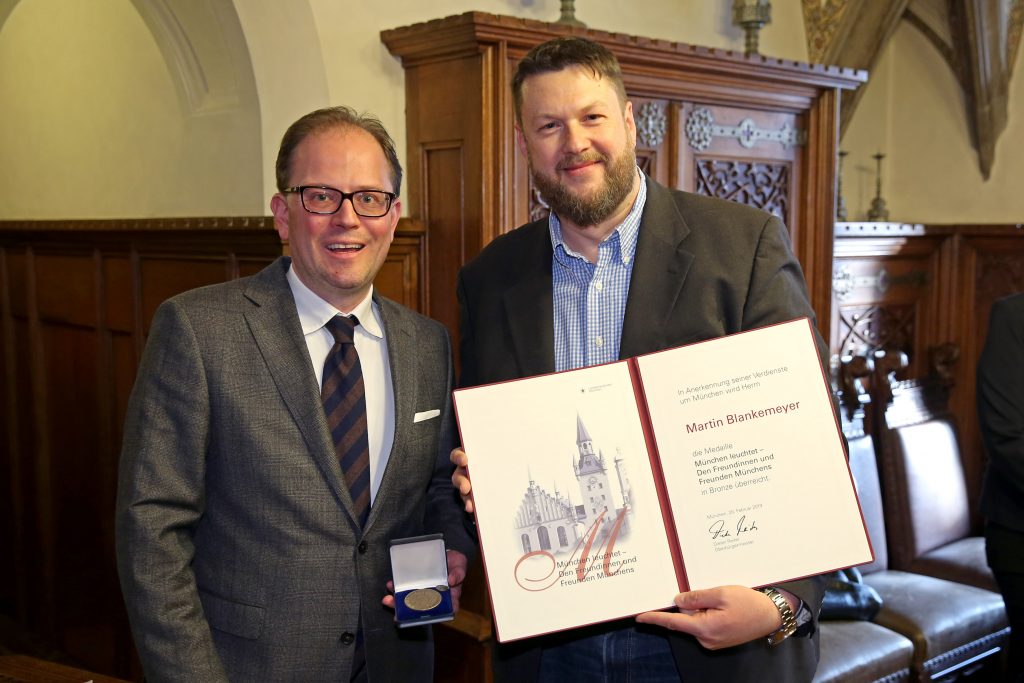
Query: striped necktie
(344, 399)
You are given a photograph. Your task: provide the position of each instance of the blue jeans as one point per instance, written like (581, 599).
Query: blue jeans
(621, 656)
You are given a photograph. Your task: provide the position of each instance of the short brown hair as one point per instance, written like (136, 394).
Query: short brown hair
(334, 117)
(562, 53)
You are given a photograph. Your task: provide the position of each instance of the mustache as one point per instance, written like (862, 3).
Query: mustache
(578, 159)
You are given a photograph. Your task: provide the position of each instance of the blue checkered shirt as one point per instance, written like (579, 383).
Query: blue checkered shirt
(590, 298)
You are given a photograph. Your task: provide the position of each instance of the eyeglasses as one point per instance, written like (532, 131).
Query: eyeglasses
(321, 199)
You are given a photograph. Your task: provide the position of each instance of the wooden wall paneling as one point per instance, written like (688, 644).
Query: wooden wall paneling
(399, 277)
(813, 241)
(39, 489)
(8, 507)
(884, 291)
(76, 482)
(447, 214)
(12, 588)
(443, 121)
(77, 298)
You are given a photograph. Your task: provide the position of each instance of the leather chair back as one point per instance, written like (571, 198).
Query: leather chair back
(930, 506)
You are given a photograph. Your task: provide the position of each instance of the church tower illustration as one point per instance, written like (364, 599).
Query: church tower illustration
(592, 476)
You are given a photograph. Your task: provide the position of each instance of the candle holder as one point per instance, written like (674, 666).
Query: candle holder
(878, 211)
(568, 16)
(751, 16)
(840, 201)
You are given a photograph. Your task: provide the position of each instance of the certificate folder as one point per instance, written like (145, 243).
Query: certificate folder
(602, 492)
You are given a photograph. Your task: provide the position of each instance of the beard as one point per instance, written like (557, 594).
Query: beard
(586, 210)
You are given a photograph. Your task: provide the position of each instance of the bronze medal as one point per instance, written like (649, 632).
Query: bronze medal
(422, 599)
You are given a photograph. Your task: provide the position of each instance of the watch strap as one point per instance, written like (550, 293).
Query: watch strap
(786, 612)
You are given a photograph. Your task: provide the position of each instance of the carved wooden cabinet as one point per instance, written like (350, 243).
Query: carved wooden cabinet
(753, 129)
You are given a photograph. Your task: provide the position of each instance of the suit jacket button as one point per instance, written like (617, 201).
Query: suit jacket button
(347, 638)
(362, 547)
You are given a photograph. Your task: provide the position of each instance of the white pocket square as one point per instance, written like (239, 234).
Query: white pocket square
(425, 415)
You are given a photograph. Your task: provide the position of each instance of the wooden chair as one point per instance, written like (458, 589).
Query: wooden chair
(928, 514)
(861, 651)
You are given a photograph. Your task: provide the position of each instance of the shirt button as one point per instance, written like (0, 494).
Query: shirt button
(362, 547)
(625, 259)
(597, 285)
(347, 638)
(599, 341)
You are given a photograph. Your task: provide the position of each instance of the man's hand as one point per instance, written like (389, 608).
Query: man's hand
(458, 565)
(722, 617)
(460, 478)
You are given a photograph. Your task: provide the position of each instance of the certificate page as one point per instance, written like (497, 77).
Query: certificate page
(570, 525)
(754, 468)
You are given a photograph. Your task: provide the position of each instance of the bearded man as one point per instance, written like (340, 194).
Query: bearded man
(624, 266)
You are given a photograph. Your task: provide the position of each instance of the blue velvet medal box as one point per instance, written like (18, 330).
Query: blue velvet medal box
(419, 568)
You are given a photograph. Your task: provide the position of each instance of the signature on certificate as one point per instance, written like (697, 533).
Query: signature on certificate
(718, 530)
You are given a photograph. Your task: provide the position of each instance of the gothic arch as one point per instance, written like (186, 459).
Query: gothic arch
(205, 52)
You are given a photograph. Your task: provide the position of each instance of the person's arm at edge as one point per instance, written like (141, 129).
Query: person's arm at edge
(1000, 393)
(160, 501)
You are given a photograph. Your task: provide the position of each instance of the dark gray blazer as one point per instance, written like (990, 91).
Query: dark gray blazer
(704, 268)
(238, 552)
(1001, 418)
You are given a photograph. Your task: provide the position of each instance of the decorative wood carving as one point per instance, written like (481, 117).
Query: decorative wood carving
(844, 282)
(645, 160)
(823, 19)
(538, 207)
(651, 124)
(866, 329)
(1000, 274)
(762, 185)
(701, 129)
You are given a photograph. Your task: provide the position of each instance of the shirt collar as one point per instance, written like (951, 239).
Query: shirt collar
(314, 312)
(627, 230)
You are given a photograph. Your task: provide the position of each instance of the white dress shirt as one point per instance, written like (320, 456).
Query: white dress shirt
(372, 348)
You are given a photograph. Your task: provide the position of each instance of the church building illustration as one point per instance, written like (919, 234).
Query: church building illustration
(551, 522)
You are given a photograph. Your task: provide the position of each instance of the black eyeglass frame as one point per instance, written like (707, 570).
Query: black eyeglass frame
(300, 189)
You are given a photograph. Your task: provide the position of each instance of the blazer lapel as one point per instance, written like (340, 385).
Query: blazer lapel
(659, 270)
(400, 336)
(529, 309)
(275, 326)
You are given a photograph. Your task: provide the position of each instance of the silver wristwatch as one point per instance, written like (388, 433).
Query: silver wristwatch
(786, 612)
